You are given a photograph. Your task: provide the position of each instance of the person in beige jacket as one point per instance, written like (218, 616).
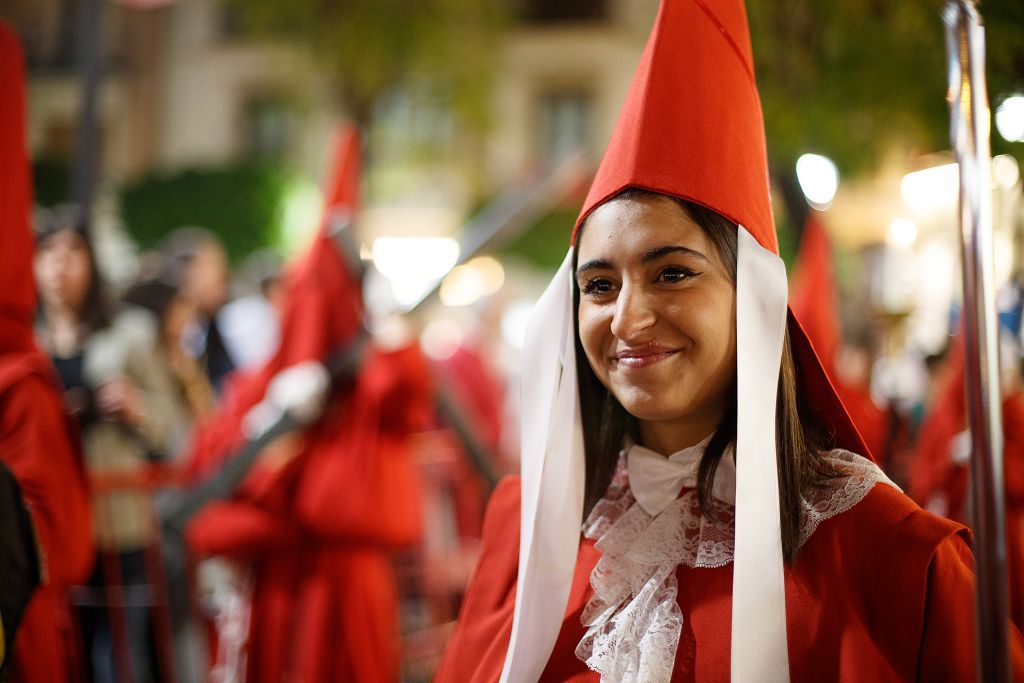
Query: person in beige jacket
(124, 397)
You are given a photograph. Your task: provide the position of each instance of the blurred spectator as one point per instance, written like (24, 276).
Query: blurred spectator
(175, 315)
(250, 324)
(195, 399)
(123, 397)
(194, 261)
(37, 442)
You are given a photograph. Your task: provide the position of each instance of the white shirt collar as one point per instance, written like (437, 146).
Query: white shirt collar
(656, 480)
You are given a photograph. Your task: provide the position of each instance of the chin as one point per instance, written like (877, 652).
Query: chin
(647, 407)
(662, 406)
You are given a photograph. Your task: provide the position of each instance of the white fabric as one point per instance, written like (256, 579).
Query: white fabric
(299, 390)
(759, 643)
(656, 480)
(552, 481)
(633, 620)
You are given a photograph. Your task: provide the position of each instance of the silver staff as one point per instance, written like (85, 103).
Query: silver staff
(969, 132)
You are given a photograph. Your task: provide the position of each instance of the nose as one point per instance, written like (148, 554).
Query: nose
(634, 314)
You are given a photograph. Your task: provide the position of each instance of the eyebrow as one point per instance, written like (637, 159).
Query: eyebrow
(658, 252)
(646, 257)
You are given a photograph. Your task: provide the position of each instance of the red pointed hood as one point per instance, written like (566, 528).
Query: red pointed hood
(324, 306)
(691, 125)
(17, 288)
(322, 312)
(813, 293)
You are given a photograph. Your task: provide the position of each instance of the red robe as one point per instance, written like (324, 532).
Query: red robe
(319, 532)
(480, 396)
(37, 442)
(882, 592)
(814, 300)
(933, 472)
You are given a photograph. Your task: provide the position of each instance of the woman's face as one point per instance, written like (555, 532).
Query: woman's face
(179, 315)
(657, 314)
(207, 278)
(63, 270)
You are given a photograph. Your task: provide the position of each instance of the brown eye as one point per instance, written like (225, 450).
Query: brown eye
(673, 274)
(596, 286)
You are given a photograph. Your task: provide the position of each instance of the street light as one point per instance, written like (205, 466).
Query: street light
(1010, 118)
(818, 178)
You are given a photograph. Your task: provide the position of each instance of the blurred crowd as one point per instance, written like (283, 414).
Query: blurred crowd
(164, 379)
(159, 376)
(138, 368)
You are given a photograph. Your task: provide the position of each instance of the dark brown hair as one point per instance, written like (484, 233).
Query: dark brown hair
(799, 438)
(96, 311)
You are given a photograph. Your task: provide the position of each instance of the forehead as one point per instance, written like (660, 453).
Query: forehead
(68, 239)
(624, 227)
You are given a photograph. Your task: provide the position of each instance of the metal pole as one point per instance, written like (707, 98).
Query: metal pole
(969, 133)
(90, 56)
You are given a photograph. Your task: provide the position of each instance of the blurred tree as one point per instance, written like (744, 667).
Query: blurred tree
(371, 47)
(51, 180)
(243, 204)
(852, 78)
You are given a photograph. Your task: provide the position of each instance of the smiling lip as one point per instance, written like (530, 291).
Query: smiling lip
(643, 357)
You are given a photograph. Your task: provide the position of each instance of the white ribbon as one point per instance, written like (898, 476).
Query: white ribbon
(552, 481)
(759, 645)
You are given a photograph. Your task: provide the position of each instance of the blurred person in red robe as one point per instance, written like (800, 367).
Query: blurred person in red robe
(814, 298)
(37, 441)
(939, 469)
(317, 517)
(472, 381)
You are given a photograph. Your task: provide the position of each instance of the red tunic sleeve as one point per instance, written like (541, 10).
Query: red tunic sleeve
(947, 643)
(476, 651)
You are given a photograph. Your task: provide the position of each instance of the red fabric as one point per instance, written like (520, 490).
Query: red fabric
(813, 292)
(929, 468)
(479, 392)
(933, 473)
(37, 442)
(40, 447)
(17, 287)
(480, 395)
(814, 300)
(318, 530)
(882, 592)
(323, 311)
(691, 127)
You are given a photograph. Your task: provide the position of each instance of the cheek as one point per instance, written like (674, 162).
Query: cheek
(714, 317)
(720, 336)
(79, 272)
(594, 327)
(47, 269)
(41, 269)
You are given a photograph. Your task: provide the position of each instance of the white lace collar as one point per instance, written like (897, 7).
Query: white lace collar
(633, 620)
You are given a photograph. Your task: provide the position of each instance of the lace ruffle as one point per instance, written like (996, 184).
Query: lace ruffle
(633, 620)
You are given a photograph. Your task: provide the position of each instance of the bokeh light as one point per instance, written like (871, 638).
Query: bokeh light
(819, 179)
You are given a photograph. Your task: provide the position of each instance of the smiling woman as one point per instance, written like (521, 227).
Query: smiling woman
(656, 314)
(734, 526)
